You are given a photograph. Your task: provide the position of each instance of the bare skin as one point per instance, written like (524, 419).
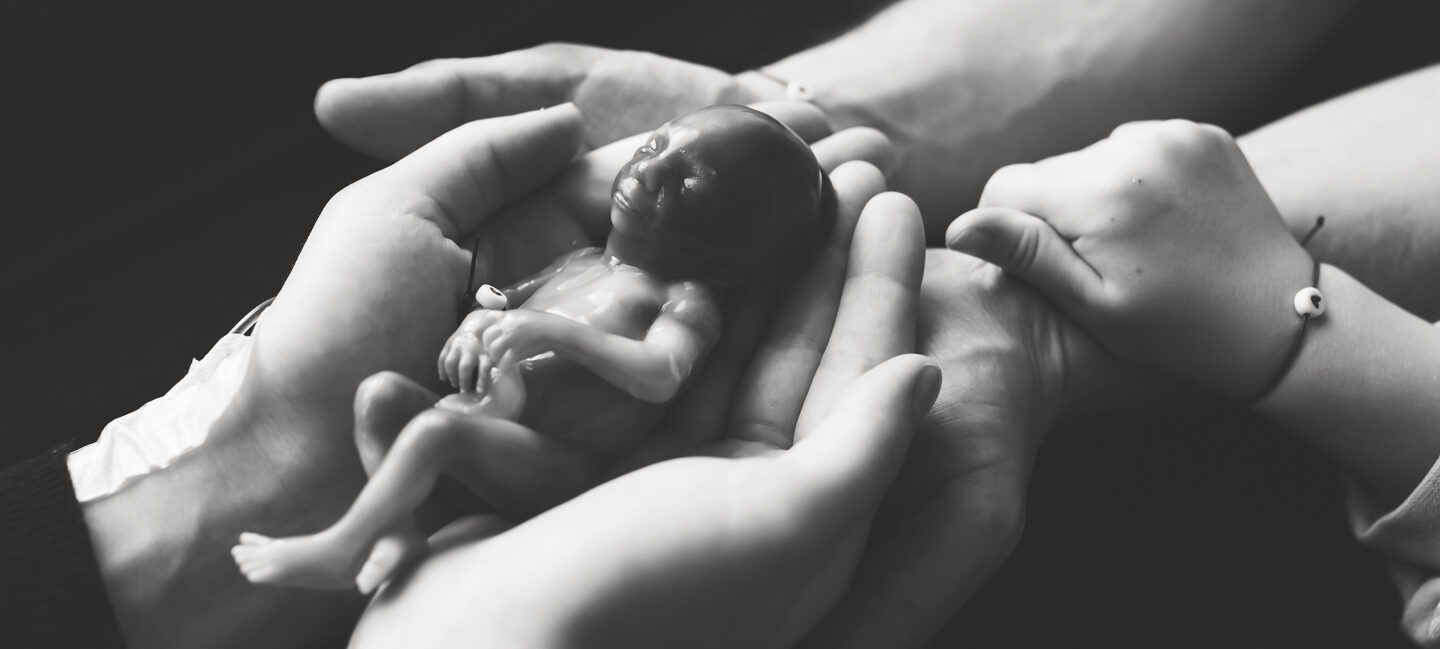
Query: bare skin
(600, 342)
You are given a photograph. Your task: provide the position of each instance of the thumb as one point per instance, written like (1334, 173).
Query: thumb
(390, 115)
(852, 456)
(1027, 246)
(463, 176)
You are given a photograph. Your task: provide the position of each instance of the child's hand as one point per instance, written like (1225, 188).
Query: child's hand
(1161, 242)
(489, 341)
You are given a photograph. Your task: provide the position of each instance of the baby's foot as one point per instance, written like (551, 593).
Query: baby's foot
(392, 551)
(315, 561)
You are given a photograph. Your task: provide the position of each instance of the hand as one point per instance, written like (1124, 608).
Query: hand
(375, 288)
(1159, 241)
(494, 340)
(620, 93)
(1012, 367)
(675, 554)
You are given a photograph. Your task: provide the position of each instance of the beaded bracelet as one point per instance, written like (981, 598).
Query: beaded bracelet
(1309, 303)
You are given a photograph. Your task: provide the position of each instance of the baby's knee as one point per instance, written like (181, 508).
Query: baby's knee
(381, 387)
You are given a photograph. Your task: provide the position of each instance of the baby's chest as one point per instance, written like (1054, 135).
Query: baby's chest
(621, 304)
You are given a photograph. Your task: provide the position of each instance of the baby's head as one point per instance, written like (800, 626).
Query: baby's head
(725, 195)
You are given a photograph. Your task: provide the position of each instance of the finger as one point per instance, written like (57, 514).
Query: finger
(518, 471)
(773, 390)
(390, 115)
(466, 372)
(440, 360)
(1028, 247)
(853, 454)
(865, 144)
(483, 374)
(922, 563)
(452, 367)
(803, 117)
(463, 176)
(876, 317)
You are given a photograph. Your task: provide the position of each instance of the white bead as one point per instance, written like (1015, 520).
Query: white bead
(1309, 302)
(489, 297)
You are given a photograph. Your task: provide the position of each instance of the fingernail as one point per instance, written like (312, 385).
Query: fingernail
(927, 387)
(971, 241)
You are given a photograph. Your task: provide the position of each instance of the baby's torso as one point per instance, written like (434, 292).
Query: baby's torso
(616, 299)
(569, 401)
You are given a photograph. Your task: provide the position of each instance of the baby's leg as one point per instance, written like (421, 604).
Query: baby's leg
(333, 558)
(384, 403)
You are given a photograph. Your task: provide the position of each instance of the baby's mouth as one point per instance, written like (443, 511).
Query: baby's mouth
(625, 196)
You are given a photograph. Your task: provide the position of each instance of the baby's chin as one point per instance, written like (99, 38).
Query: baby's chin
(625, 221)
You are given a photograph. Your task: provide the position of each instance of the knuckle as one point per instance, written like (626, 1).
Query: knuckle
(1003, 182)
(431, 65)
(1027, 248)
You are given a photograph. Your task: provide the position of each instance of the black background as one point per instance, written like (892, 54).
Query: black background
(165, 167)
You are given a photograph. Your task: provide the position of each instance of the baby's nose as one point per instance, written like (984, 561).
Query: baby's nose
(652, 174)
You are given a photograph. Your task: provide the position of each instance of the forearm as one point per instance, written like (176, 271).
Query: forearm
(1363, 388)
(963, 88)
(643, 370)
(1368, 161)
(163, 542)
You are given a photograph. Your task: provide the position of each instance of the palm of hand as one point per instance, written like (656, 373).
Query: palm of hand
(1012, 366)
(673, 552)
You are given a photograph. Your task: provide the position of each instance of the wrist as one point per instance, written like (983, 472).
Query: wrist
(1361, 388)
(163, 542)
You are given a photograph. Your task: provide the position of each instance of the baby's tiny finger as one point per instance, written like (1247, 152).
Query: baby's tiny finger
(440, 360)
(450, 369)
(483, 379)
(467, 372)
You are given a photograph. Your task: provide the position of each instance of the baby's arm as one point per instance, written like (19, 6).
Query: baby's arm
(651, 369)
(457, 363)
(1160, 242)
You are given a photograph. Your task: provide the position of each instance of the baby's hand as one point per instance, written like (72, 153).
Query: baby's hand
(489, 341)
(1158, 240)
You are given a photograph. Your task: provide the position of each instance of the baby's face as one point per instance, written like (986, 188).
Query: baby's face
(673, 173)
(710, 191)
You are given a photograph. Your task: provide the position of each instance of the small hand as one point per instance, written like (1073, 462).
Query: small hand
(1160, 242)
(520, 334)
(460, 358)
(494, 341)
(620, 93)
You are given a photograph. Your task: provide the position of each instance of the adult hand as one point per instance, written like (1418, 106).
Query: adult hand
(1012, 367)
(750, 545)
(376, 288)
(619, 93)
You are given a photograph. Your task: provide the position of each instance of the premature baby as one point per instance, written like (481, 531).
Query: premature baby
(715, 200)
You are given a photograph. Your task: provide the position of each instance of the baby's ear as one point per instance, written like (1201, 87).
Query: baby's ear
(1027, 246)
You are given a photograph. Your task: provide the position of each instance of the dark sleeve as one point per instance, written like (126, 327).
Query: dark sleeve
(51, 594)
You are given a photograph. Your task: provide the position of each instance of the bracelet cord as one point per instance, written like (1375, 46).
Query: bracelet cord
(1291, 354)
